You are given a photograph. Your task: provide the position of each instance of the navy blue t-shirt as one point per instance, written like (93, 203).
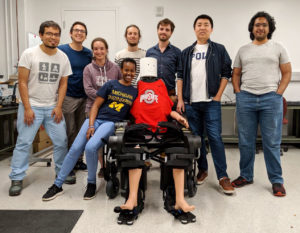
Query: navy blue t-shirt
(78, 60)
(118, 100)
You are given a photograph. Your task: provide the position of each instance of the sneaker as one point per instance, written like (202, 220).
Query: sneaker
(71, 178)
(240, 182)
(148, 164)
(278, 190)
(226, 186)
(90, 192)
(16, 187)
(80, 165)
(101, 173)
(52, 193)
(201, 176)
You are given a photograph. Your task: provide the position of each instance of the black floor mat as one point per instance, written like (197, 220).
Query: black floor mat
(38, 221)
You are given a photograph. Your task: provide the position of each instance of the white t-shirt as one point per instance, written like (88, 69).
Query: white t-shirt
(136, 55)
(45, 74)
(261, 66)
(198, 74)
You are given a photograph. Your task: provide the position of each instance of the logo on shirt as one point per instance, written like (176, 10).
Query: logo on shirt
(149, 97)
(48, 73)
(199, 56)
(116, 106)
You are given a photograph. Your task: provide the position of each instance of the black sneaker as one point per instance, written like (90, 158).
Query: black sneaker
(80, 165)
(90, 192)
(278, 190)
(240, 182)
(52, 193)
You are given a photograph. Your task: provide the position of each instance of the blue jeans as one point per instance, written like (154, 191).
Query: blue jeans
(265, 110)
(208, 114)
(103, 129)
(26, 134)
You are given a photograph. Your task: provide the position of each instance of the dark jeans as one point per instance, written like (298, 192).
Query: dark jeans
(208, 115)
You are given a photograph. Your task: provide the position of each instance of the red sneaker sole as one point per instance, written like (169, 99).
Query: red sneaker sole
(279, 194)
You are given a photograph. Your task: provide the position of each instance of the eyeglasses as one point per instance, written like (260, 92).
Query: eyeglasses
(261, 24)
(79, 30)
(50, 34)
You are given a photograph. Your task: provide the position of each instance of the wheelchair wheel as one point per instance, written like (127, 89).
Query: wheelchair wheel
(192, 188)
(112, 187)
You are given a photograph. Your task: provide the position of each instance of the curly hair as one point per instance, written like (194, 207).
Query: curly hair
(271, 22)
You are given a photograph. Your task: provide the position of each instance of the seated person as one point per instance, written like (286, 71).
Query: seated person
(112, 104)
(152, 106)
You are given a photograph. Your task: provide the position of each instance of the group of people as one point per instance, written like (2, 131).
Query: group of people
(60, 88)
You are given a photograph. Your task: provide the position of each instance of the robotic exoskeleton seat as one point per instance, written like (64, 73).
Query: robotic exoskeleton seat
(171, 146)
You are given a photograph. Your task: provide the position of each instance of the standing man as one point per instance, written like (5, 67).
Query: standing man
(167, 55)
(74, 102)
(43, 76)
(206, 68)
(132, 36)
(258, 87)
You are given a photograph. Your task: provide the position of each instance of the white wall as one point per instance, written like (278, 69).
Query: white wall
(231, 18)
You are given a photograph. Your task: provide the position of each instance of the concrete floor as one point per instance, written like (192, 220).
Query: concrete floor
(253, 209)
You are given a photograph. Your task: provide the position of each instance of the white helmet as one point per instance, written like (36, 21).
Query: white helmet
(148, 67)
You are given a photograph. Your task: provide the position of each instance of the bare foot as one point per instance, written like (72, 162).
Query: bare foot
(129, 205)
(183, 205)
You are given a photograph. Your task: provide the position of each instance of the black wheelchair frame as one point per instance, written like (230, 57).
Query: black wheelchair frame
(121, 155)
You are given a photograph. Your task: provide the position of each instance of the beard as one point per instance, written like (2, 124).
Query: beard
(163, 39)
(132, 44)
(50, 46)
(260, 38)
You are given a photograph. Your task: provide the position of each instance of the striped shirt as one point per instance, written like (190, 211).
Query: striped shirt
(137, 55)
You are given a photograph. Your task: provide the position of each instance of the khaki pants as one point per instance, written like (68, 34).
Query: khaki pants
(74, 113)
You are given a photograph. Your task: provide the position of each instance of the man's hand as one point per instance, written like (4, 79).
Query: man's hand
(57, 113)
(180, 106)
(29, 117)
(217, 98)
(90, 133)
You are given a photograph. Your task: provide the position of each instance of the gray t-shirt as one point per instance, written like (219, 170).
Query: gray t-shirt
(260, 66)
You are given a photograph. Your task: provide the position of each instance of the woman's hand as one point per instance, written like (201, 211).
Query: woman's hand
(90, 133)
